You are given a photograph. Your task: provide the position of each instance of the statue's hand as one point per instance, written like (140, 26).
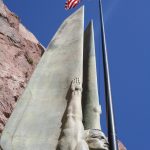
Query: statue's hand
(96, 139)
(76, 85)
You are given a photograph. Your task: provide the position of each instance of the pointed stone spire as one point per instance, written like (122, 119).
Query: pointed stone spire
(36, 120)
(91, 107)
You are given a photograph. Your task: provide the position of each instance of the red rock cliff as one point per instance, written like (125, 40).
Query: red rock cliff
(20, 52)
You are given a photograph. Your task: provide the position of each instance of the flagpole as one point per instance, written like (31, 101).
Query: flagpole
(113, 144)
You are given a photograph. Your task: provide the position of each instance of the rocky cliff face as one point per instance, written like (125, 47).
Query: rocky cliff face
(121, 146)
(20, 52)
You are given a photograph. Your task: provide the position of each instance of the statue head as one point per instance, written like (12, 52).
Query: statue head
(96, 140)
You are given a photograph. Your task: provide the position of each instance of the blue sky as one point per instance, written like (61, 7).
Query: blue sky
(127, 24)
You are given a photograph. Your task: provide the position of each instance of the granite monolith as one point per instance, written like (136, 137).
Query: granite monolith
(37, 119)
(91, 106)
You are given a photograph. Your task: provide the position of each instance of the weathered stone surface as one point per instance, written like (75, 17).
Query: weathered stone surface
(91, 106)
(36, 120)
(19, 54)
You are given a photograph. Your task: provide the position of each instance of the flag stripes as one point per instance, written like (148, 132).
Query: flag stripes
(71, 4)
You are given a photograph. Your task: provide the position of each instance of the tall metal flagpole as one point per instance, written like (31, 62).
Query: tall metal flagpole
(113, 144)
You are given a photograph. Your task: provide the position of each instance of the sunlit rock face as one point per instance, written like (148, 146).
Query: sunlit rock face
(121, 146)
(20, 52)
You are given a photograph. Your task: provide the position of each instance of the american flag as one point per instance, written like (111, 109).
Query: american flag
(71, 4)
